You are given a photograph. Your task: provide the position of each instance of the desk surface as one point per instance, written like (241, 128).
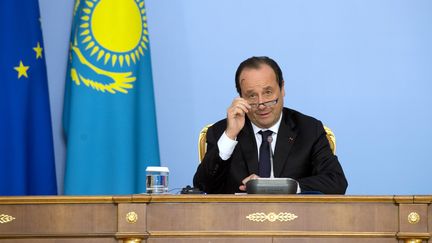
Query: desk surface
(216, 218)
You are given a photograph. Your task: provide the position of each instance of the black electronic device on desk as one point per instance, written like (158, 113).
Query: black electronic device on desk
(191, 190)
(271, 186)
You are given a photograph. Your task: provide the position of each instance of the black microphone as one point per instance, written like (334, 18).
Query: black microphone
(271, 185)
(270, 140)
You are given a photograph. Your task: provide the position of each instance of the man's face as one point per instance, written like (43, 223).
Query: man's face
(258, 86)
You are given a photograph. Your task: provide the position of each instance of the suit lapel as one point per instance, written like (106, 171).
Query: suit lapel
(285, 139)
(248, 146)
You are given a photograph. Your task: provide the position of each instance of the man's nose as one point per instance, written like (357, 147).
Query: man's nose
(261, 106)
(260, 99)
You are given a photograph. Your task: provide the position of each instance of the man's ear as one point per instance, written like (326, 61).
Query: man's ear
(283, 88)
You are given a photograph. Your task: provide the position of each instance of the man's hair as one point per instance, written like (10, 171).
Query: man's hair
(255, 63)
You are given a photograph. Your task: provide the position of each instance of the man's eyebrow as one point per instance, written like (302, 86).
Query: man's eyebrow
(265, 89)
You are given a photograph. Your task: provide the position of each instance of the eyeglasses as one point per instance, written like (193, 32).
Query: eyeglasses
(266, 104)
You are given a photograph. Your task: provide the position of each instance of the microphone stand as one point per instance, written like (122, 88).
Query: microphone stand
(270, 140)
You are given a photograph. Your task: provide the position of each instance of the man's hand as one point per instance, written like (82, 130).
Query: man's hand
(236, 117)
(245, 180)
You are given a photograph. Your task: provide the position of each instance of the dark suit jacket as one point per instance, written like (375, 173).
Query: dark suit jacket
(302, 152)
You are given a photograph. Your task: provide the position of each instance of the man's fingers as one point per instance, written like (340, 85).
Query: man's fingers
(252, 176)
(245, 180)
(243, 107)
(241, 103)
(239, 110)
(236, 116)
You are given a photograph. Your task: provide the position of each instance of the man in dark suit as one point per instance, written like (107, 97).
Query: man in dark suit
(236, 145)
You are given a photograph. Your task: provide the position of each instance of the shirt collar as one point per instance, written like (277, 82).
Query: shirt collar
(274, 128)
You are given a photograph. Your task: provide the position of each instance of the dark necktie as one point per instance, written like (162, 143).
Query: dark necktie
(264, 154)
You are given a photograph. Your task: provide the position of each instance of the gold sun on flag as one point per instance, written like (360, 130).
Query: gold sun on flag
(108, 41)
(119, 38)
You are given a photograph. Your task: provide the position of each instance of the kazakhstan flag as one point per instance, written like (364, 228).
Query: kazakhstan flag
(109, 113)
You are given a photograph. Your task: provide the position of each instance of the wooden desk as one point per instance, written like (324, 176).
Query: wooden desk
(216, 218)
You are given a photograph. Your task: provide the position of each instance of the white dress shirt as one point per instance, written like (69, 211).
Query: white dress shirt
(226, 145)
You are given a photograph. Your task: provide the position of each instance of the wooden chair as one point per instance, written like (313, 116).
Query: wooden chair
(202, 142)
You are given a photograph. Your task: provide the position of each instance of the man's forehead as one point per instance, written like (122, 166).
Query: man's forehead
(261, 70)
(257, 75)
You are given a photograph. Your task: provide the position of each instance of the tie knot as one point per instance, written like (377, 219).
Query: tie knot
(265, 134)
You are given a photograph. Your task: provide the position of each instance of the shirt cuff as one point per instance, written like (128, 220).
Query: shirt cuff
(226, 146)
(298, 188)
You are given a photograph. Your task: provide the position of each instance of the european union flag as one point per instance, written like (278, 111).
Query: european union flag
(26, 145)
(109, 114)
